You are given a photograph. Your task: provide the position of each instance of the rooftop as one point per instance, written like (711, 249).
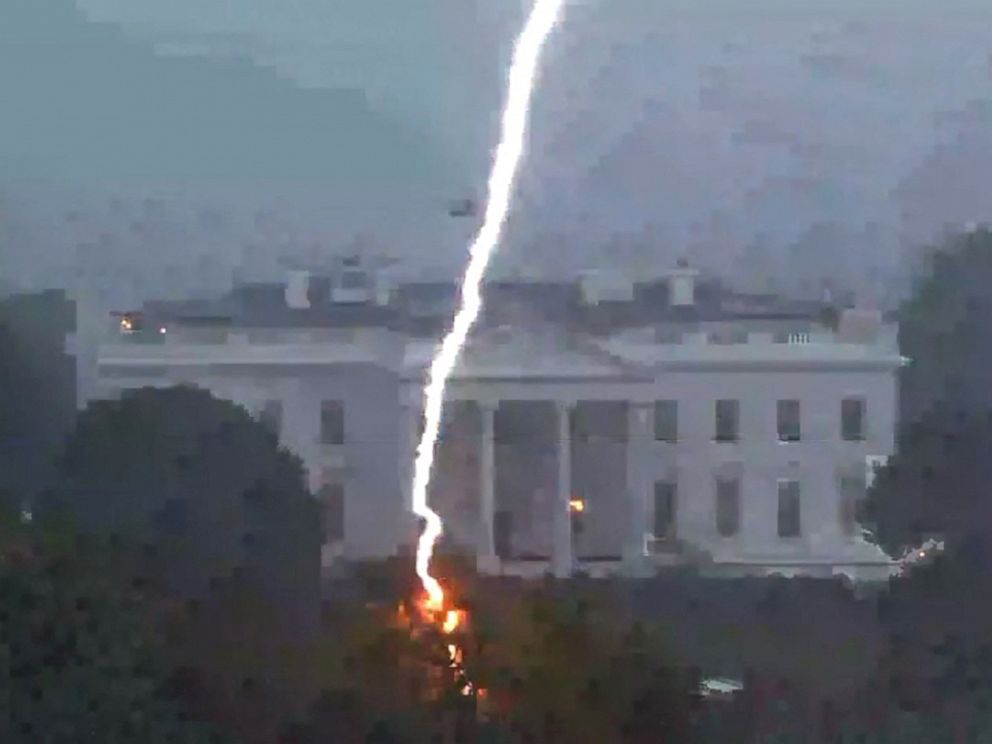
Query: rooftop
(426, 308)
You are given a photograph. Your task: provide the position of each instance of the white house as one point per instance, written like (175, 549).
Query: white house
(591, 425)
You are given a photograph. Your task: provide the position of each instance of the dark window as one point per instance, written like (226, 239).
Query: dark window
(665, 493)
(852, 491)
(728, 506)
(789, 522)
(788, 421)
(331, 422)
(666, 420)
(727, 420)
(604, 421)
(852, 419)
(331, 498)
(502, 533)
(271, 416)
(728, 336)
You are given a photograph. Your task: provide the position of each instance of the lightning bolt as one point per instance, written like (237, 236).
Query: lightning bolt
(522, 76)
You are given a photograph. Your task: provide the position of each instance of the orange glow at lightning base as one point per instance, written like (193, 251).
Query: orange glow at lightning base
(521, 79)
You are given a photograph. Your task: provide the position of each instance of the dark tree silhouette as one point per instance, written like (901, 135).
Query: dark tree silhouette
(80, 661)
(37, 389)
(214, 522)
(945, 329)
(200, 485)
(937, 481)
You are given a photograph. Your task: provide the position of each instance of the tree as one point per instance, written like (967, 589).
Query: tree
(937, 480)
(217, 526)
(568, 665)
(79, 660)
(37, 389)
(945, 329)
(936, 484)
(937, 672)
(201, 486)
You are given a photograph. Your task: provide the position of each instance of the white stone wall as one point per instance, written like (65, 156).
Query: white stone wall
(382, 402)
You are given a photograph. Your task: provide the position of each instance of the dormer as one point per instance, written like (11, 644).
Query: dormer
(682, 285)
(353, 283)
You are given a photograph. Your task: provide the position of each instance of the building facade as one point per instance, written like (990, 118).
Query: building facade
(599, 425)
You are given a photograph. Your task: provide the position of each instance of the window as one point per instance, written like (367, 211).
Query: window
(666, 421)
(331, 499)
(852, 419)
(331, 422)
(503, 533)
(603, 421)
(728, 506)
(727, 420)
(728, 336)
(852, 491)
(788, 421)
(665, 493)
(271, 416)
(789, 521)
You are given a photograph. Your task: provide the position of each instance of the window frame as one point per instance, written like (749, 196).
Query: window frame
(660, 405)
(332, 494)
(332, 436)
(669, 489)
(719, 436)
(719, 498)
(272, 422)
(781, 423)
(781, 512)
(862, 432)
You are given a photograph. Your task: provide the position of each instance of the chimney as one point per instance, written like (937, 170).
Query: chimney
(682, 285)
(297, 289)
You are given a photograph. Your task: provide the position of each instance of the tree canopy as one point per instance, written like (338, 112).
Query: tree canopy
(37, 389)
(937, 480)
(201, 487)
(945, 330)
(79, 660)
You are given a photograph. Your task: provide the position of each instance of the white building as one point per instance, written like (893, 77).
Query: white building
(596, 425)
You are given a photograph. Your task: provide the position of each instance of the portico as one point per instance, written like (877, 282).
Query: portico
(554, 519)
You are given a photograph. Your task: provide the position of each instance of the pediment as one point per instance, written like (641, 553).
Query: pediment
(543, 351)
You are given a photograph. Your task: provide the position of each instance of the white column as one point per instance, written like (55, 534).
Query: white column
(562, 560)
(486, 559)
(639, 440)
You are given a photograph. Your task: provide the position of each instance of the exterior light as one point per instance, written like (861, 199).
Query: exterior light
(576, 506)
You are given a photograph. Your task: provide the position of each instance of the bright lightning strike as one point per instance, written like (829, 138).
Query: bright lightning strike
(523, 72)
